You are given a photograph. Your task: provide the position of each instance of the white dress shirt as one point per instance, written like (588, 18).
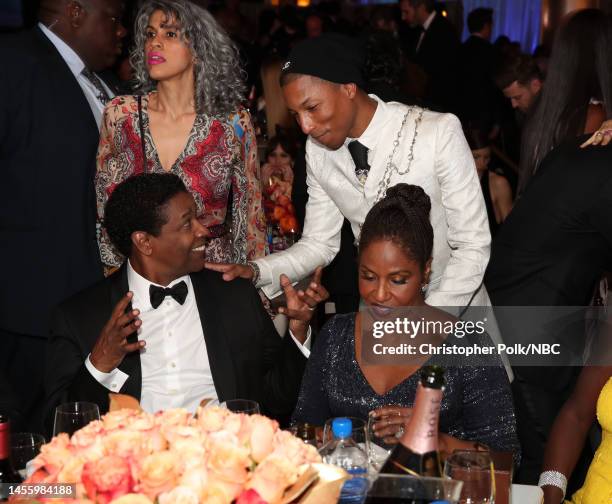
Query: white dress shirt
(443, 166)
(76, 65)
(175, 366)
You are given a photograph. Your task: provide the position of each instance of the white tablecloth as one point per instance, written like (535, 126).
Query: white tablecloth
(526, 494)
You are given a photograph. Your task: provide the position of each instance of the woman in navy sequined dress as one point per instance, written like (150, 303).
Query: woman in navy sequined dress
(394, 266)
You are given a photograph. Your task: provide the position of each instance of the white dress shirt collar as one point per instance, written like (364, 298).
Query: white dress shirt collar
(429, 20)
(72, 59)
(139, 285)
(371, 135)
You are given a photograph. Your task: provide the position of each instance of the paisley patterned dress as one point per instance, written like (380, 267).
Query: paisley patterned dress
(219, 160)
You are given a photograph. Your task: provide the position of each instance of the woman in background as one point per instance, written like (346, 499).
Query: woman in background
(495, 187)
(280, 156)
(577, 96)
(590, 399)
(188, 120)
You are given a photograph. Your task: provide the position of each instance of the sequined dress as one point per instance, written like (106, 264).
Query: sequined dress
(477, 403)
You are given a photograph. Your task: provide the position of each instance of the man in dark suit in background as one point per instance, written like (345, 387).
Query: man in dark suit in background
(551, 251)
(167, 332)
(481, 100)
(436, 52)
(51, 103)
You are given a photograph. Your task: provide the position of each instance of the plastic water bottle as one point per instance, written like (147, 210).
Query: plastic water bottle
(344, 452)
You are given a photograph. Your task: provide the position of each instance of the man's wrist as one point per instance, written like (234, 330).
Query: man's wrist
(98, 365)
(255, 269)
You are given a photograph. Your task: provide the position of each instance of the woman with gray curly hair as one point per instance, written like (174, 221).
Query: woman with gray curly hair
(187, 119)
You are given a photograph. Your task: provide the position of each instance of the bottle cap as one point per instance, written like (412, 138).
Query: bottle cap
(342, 427)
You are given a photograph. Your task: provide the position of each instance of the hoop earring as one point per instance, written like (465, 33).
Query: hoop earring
(424, 288)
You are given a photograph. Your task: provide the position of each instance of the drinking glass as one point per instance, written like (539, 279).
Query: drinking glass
(70, 417)
(475, 469)
(24, 447)
(379, 451)
(242, 406)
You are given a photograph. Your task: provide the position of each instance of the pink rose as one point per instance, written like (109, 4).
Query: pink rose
(250, 496)
(220, 492)
(53, 454)
(288, 446)
(227, 457)
(143, 422)
(191, 453)
(118, 419)
(177, 416)
(272, 477)
(262, 436)
(71, 470)
(132, 499)
(174, 433)
(195, 478)
(179, 495)
(158, 473)
(107, 479)
(238, 424)
(87, 435)
(126, 443)
(211, 419)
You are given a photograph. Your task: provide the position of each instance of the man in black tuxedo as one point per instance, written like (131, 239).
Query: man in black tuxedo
(551, 251)
(436, 52)
(51, 102)
(164, 330)
(481, 101)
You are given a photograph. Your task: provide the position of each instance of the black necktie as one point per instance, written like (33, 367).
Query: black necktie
(158, 294)
(359, 153)
(103, 96)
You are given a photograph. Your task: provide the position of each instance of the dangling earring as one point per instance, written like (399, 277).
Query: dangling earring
(424, 288)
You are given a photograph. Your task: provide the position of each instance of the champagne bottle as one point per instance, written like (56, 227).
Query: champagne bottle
(7, 473)
(416, 453)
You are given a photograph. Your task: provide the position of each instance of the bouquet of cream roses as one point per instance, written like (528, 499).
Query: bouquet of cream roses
(172, 457)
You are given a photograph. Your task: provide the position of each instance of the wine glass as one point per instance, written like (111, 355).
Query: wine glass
(70, 417)
(379, 450)
(245, 406)
(24, 447)
(475, 469)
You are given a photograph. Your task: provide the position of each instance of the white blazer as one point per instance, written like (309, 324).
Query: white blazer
(443, 166)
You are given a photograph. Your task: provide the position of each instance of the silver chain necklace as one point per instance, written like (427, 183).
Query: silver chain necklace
(391, 167)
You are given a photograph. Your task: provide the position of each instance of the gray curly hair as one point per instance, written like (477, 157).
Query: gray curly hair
(219, 82)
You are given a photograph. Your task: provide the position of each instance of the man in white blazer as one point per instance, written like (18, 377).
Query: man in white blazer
(323, 88)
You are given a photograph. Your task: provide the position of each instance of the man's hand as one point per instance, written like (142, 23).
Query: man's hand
(112, 346)
(301, 304)
(231, 271)
(603, 136)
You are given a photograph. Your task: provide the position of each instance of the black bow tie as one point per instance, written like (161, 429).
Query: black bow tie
(158, 294)
(359, 153)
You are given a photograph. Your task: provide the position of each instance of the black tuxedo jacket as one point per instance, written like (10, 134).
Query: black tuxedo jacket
(557, 241)
(248, 359)
(48, 143)
(438, 55)
(481, 100)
